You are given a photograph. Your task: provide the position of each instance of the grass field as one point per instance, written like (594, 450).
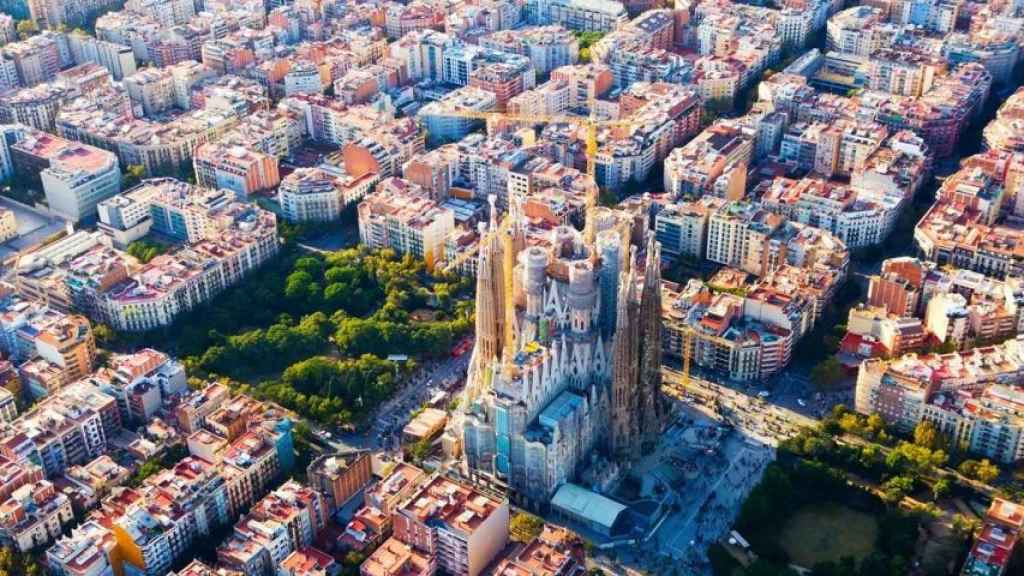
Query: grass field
(827, 532)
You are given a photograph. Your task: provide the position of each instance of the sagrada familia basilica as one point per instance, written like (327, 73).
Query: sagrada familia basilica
(568, 351)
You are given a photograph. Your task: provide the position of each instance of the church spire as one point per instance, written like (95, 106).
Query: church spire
(624, 407)
(652, 405)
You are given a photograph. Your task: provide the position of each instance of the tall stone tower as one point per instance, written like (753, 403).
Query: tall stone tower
(652, 407)
(625, 408)
(490, 300)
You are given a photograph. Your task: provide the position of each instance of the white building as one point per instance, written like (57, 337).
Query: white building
(586, 15)
(303, 78)
(400, 217)
(320, 194)
(78, 179)
(442, 127)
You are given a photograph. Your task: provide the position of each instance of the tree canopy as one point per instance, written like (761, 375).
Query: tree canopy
(312, 331)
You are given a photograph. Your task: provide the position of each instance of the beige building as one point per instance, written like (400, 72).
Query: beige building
(399, 217)
(339, 477)
(8, 225)
(461, 528)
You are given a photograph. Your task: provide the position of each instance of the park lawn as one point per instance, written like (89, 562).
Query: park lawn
(828, 532)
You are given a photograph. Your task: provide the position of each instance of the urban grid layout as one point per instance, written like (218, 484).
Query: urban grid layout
(511, 287)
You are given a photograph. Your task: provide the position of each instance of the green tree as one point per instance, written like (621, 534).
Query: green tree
(103, 334)
(421, 450)
(145, 251)
(909, 458)
(524, 527)
(927, 436)
(897, 488)
(26, 29)
(132, 175)
(827, 373)
(980, 470)
(965, 526)
(941, 488)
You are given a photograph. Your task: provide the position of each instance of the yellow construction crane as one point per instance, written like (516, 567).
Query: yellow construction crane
(592, 125)
(690, 348)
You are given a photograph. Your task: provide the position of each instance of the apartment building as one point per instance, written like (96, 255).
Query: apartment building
(973, 397)
(232, 167)
(1006, 131)
(308, 562)
(141, 382)
(66, 344)
(854, 30)
(504, 80)
(634, 61)
(126, 217)
(996, 50)
(80, 177)
(71, 426)
(682, 229)
(583, 15)
(555, 551)
(86, 484)
(146, 530)
(190, 414)
(158, 146)
(461, 528)
(724, 338)
(360, 86)
(174, 283)
(51, 349)
(551, 98)
(872, 332)
(169, 513)
(34, 515)
(727, 235)
(713, 163)
(8, 406)
(388, 494)
(152, 91)
(399, 216)
(858, 221)
(401, 19)
(37, 59)
(993, 547)
(310, 194)
(547, 47)
(8, 29)
(903, 73)
(395, 557)
(339, 477)
(34, 107)
(897, 288)
(283, 522)
(118, 59)
(85, 552)
(586, 82)
(962, 228)
(960, 307)
(14, 475)
(303, 77)
(71, 273)
(442, 127)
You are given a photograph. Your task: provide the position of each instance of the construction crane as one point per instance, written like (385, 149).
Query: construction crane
(590, 123)
(690, 337)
